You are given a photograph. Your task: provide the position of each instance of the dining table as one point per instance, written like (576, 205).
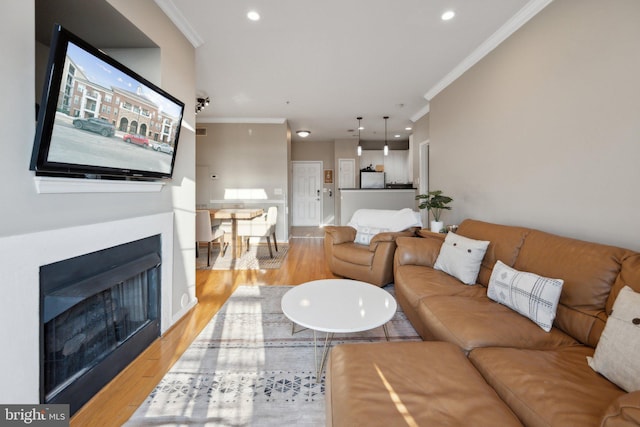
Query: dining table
(235, 214)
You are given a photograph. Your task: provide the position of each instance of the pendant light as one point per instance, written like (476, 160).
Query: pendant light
(359, 127)
(386, 146)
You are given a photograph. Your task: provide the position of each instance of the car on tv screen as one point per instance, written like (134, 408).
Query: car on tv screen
(96, 125)
(163, 147)
(134, 138)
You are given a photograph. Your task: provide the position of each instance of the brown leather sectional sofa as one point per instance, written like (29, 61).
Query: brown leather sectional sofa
(481, 363)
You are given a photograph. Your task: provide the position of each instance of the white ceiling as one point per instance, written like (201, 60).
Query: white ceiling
(320, 64)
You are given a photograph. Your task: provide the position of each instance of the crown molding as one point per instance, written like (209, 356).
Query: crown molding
(420, 113)
(180, 21)
(530, 10)
(258, 120)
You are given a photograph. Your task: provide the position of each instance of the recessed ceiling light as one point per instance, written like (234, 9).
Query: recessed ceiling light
(396, 136)
(407, 128)
(303, 133)
(449, 14)
(253, 15)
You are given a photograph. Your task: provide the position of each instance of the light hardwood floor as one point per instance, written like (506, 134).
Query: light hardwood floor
(116, 402)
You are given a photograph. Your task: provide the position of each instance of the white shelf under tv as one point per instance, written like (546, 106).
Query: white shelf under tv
(55, 185)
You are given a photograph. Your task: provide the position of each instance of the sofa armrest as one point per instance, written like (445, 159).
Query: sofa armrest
(340, 234)
(389, 236)
(417, 250)
(624, 411)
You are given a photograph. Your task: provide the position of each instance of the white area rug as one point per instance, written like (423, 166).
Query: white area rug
(247, 369)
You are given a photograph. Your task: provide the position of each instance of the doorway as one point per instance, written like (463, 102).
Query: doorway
(346, 173)
(307, 193)
(424, 176)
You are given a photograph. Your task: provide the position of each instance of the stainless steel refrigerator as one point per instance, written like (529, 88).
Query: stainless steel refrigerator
(371, 179)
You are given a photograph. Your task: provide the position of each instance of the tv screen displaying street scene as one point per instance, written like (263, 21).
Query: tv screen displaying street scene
(99, 117)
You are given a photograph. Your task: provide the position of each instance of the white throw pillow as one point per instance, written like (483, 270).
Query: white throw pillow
(460, 257)
(617, 354)
(529, 294)
(365, 234)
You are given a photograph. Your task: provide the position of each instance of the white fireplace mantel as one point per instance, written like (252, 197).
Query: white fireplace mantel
(20, 260)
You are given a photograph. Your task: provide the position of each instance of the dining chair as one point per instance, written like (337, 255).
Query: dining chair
(205, 232)
(262, 226)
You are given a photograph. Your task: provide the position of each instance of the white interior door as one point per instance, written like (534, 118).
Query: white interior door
(307, 193)
(424, 178)
(347, 173)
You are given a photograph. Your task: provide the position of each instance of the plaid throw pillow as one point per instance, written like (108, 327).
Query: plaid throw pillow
(533, 296)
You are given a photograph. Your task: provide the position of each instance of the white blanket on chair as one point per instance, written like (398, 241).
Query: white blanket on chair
(369, 222)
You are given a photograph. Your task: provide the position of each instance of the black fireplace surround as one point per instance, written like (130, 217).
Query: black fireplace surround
(98, 312)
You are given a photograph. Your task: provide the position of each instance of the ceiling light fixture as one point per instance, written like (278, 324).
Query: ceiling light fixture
(449, 14)
(386, 146)
(303, 133)
(201, 102)
(253, 15)
(359, 128)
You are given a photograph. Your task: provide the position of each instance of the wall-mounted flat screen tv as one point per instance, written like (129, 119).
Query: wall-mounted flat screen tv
(99, 119)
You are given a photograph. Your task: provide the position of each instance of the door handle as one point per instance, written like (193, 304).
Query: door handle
(318, 193)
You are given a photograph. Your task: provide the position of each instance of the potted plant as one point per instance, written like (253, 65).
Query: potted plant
(435, 202)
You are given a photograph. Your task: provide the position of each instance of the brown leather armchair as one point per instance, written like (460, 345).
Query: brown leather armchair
(372, 263)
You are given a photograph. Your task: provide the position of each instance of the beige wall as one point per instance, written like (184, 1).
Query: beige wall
(544, 132)
(316, 150)
(244, 156)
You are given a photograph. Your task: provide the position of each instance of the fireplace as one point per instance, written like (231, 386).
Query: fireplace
(98, 312)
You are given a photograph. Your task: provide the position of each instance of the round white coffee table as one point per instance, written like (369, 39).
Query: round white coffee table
(337, 306)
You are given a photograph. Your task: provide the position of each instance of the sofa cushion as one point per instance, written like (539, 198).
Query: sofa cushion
(588, 270)
(617, 355)
(415, 282)
(629, 276)
(545, 388)
(480, 322)
(505, 245)
(409, 383)
(418, 251)
(353, 253)
(623, 411)
(461, 257)
(533, 296)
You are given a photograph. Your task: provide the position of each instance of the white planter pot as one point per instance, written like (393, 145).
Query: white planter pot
(437, 226)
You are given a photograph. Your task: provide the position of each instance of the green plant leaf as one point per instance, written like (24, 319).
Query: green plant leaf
(435, 202)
